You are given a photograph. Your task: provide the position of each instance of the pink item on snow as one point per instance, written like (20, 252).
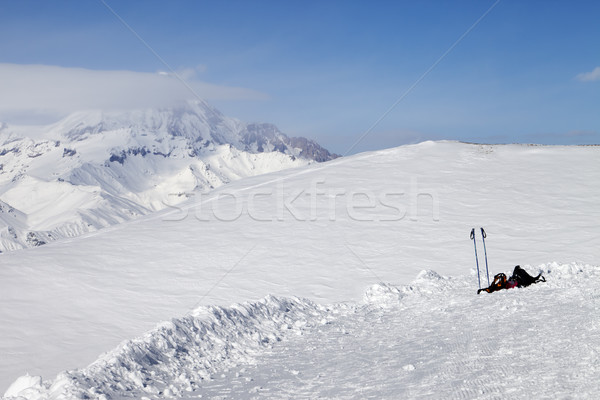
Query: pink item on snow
(511, 283)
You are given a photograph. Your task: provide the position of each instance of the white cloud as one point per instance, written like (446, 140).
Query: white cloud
(590, 76)
(43, 92)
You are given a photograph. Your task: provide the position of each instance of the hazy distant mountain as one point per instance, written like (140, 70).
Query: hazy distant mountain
(94, 169)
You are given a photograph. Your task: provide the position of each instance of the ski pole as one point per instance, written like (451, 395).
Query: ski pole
(476, 260)
(483, 234)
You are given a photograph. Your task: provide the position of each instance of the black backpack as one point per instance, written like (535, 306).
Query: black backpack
(524, 279)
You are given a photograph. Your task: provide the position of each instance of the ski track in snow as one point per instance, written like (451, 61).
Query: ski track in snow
(433, 338)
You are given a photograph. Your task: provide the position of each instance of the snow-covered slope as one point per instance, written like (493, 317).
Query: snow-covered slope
(431, 339)
(95, 169)
(324, 232)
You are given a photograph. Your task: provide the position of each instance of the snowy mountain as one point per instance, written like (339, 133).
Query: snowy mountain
(326, 232)
(95, 169)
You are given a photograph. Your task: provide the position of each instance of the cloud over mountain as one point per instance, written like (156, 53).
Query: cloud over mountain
(44, 93)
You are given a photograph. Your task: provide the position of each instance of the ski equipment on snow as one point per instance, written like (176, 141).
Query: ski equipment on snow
(484, 235)
(524, 279)
(498, 284)
(519, 278)
(476, 259)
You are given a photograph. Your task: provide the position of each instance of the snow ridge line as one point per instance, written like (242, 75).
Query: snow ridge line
(177, 356)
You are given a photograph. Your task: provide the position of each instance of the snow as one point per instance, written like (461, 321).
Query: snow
(539, 342)
(432, 338)
(95, 169)
(47, 203)
(24, 385)
(328, 232)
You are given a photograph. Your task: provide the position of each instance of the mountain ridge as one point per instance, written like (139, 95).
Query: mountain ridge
(120, 165)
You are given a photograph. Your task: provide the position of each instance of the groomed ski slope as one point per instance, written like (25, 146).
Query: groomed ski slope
(324, 232)
(430, 339)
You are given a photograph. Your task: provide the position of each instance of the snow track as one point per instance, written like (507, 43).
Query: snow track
(433, 338)
(539, 342)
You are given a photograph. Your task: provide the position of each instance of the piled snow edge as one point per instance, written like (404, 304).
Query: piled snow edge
(177, 356)
(385, 295)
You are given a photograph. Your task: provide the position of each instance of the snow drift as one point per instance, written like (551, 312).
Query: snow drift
(509, 338)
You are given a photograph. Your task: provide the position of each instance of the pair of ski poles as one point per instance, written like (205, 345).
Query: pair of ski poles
(483, 235)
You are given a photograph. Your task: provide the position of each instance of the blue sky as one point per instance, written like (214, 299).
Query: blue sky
(327, 70)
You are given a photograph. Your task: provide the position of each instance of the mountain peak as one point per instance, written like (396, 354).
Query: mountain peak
(184, 120)
(115, 165)
(195, 121)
